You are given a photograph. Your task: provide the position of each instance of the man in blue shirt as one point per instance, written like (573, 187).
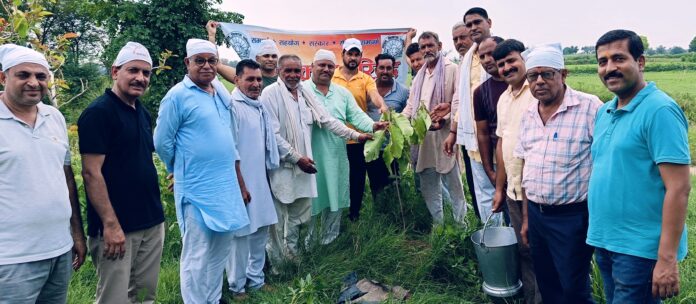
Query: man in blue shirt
(194, 140)
(639, 186)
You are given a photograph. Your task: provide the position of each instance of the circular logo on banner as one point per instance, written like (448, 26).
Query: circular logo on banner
(240, 44)
(393, 45)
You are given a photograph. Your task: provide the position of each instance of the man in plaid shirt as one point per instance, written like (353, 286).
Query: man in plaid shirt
(554, 143)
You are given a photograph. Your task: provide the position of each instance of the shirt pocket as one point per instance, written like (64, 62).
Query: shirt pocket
(306, 116)
(564, 152)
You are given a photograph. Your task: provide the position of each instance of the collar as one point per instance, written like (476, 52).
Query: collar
(5, 112)
(525, 87)
(114, 98)
(569, 99)
(314, 88)
(636, 101)
(339, 74)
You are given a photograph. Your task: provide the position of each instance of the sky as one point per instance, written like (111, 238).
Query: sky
(581, 23)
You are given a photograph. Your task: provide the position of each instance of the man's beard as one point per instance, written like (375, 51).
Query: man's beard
(385, 83)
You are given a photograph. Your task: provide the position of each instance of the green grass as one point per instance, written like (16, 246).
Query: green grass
(437, 266)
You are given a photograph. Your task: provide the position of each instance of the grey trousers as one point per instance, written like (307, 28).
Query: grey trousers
(529, 285)
(285, 235)
(132, 279)
(431, 189)
(44, 281)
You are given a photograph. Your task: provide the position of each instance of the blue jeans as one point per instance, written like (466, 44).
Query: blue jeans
(44, 281)
(627, 278)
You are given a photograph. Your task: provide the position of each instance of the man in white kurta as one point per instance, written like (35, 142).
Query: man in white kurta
(435, 86)
(257, 149)
(294, 111)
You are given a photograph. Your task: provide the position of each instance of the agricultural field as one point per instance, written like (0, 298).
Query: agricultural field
(436, 264)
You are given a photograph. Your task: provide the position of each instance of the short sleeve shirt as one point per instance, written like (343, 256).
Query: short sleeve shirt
(486, 104)
(268, 80)
(626, 191)
(511, 108)
(358, 85)
(34, 203)
(395, 99)
(123, 135)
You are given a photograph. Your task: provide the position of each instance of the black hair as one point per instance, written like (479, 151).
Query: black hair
(635, 44)
(412, 49)
(246, 64)
(497, 39)
(476, 11)
(384, 56)
(506, 47)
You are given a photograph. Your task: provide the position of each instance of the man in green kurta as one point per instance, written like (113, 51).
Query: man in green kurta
(330, 150)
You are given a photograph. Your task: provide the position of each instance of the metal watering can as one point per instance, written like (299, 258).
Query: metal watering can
(496, 251)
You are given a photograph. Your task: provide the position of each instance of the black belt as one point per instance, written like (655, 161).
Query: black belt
(578, 207)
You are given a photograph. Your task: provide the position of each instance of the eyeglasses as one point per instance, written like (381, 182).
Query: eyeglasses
(545, 75)
(201, 61)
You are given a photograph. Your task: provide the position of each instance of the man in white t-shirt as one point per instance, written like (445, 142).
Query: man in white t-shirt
(40, 227)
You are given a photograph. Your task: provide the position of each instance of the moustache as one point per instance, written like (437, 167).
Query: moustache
(616, 74)
(137, 84)
(510, 71)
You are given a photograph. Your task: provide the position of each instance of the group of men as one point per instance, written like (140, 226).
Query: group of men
(561, 166)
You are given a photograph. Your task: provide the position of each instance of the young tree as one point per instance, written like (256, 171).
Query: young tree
(20, 23)
(692, 45)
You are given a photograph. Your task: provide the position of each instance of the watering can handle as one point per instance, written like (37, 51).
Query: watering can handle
(485, 225)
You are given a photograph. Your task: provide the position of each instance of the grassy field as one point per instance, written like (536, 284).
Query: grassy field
(437, 264)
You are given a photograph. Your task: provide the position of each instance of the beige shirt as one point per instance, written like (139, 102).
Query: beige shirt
(430, 152)
(511, 108)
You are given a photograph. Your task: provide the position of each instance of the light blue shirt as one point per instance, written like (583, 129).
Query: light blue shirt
(395, 99)
(626, 191)
(194, 140)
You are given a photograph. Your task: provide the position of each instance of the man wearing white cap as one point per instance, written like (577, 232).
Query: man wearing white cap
(556, 133)
(266, 55)
(40, 227)
(194, 139)
(330, 150)
(124, 212)
(364, 90)
(295, 110)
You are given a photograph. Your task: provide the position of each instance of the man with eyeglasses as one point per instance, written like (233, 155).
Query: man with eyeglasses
(511, 105)
(463, 129)
(556, 133)
(194, 139)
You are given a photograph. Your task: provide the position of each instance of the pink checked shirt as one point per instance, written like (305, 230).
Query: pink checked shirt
(557, 163)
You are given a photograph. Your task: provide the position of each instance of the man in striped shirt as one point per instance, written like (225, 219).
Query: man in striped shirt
(554, 143)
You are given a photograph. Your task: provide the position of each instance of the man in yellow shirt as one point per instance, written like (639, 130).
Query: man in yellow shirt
(364, 89)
